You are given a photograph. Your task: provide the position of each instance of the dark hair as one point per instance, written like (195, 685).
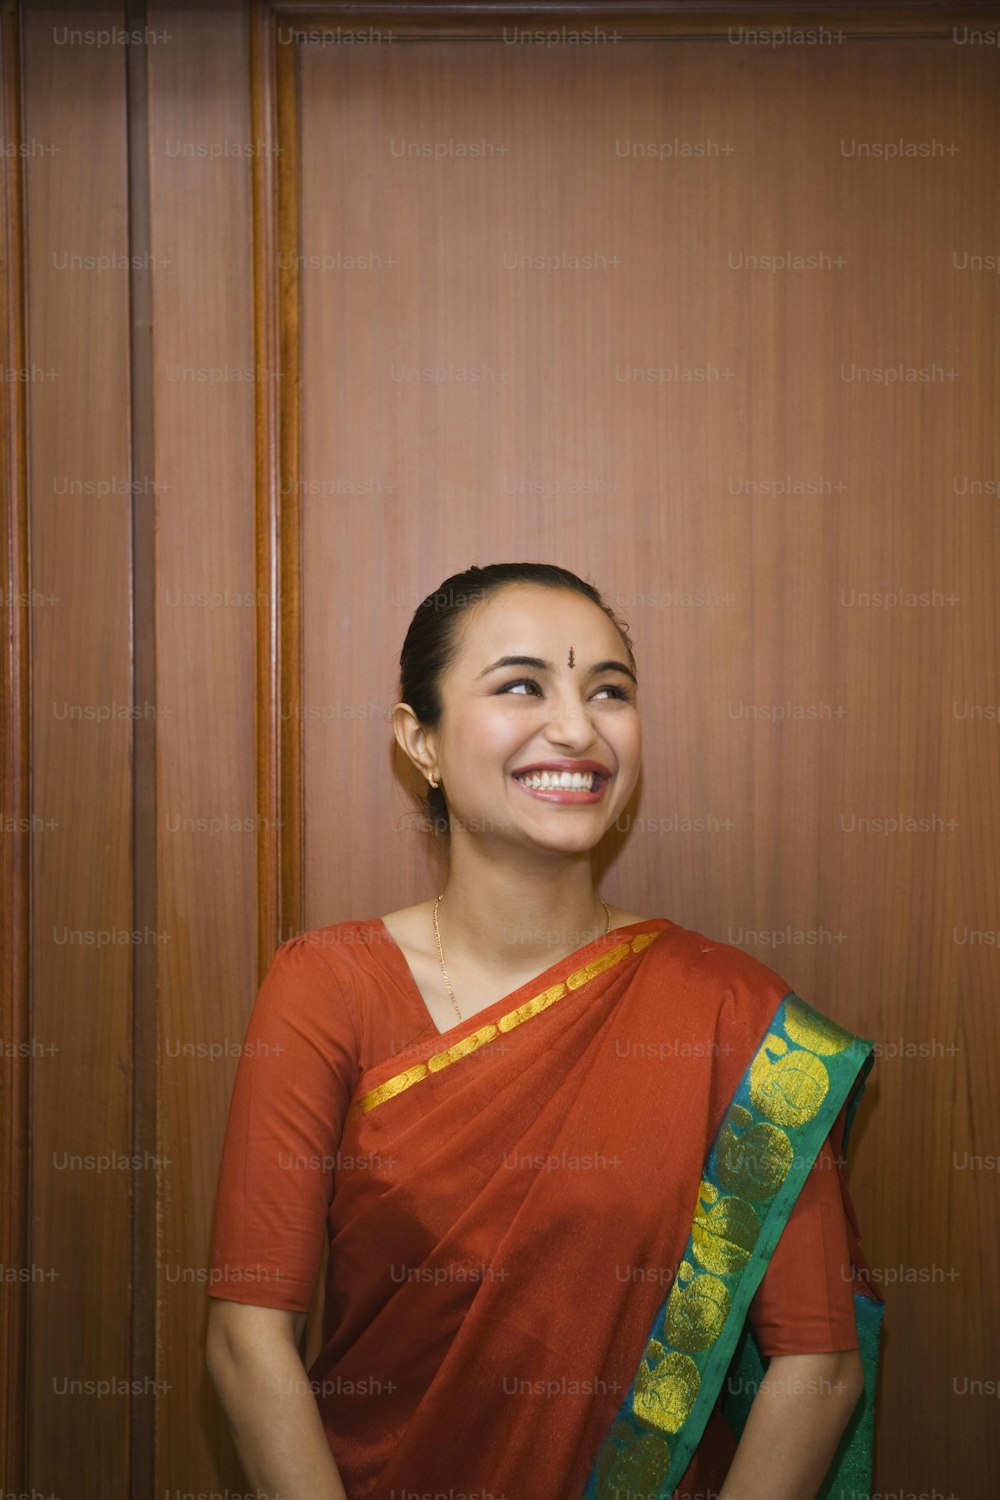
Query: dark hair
(433, 639)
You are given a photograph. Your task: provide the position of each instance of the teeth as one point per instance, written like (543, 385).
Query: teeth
(567, 781)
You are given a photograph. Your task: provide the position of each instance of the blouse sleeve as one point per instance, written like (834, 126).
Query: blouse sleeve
(294, 1082)
(805, 1303)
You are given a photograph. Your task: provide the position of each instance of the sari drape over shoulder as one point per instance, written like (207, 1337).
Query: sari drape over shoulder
(548, 1225)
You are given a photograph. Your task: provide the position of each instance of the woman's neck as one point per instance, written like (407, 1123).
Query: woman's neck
(510, 914)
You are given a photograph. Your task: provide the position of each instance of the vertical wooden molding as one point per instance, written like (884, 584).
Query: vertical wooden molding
(274, 115)
(15, 763)
(145, 965)
(289, 604)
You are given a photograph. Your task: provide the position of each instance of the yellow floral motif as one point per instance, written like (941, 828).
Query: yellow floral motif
(639, 1469)
(390, 1088)
(786, 1086)
(755, 1163)
(468, 1044)
(697, 1309)
(790, 1090)
(532, 1008)
(724, 1234)
(597, 966)
(815, 1032)
(665, 1394)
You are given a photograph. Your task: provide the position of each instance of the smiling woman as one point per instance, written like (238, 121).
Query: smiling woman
(462, 1087)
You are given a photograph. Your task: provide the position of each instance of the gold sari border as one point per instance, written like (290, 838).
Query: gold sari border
(579, 978)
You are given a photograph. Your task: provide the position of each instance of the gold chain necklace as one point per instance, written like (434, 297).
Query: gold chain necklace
(444, 971)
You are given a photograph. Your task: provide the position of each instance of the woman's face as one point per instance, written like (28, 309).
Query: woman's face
(505, 722)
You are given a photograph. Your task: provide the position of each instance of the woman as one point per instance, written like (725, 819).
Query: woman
(563, 1153)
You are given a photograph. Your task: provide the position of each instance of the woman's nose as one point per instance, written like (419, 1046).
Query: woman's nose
(569, 721)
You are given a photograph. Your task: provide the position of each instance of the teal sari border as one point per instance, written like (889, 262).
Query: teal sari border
(795, 1086)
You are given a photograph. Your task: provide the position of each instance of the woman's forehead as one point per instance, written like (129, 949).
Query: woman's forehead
(539, 614)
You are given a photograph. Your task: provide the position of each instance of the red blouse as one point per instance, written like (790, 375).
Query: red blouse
(331, 1006)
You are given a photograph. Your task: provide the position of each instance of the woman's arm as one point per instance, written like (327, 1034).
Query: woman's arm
(798, 1415)
(252, 1356)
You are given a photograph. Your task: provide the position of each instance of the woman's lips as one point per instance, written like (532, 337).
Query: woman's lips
(569, 795)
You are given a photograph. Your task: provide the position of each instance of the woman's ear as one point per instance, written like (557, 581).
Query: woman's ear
(413, 739)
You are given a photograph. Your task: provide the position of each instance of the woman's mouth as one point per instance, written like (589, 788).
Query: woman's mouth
(563, 786)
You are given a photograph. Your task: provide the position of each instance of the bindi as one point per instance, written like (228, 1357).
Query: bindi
(570, 663)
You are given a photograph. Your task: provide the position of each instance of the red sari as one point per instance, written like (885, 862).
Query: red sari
(507, 1203)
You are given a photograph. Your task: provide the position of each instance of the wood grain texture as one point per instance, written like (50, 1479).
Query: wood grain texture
(79, 1363)
(683, 426)
(696, 428)
(15, 761)
(274, 115)
(632, 19)
(208, 607)
(143, 759)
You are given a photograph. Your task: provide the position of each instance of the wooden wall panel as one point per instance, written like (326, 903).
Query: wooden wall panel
(737, 517)
(83, 938)
(687, 425)
(201, 156)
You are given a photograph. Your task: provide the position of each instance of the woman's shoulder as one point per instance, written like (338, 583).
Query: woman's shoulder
(321, 979)
(335, 943)
(621, 918)
(714, 970)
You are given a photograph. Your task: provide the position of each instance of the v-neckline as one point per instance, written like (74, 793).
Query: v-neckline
(484, 1016)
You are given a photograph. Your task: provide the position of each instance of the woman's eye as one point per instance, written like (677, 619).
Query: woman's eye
(529, 682)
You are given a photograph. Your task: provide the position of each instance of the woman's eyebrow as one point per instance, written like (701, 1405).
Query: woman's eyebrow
(546, 666)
